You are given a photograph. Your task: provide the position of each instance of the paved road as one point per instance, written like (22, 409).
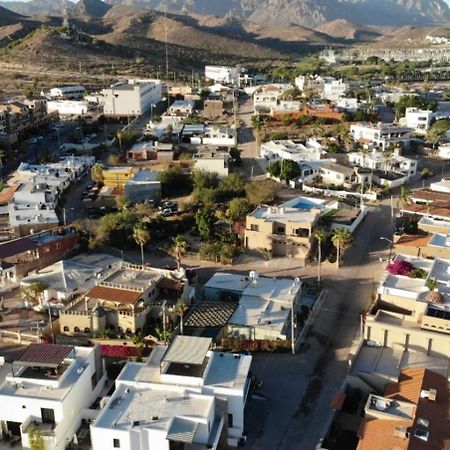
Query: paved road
(293, 409)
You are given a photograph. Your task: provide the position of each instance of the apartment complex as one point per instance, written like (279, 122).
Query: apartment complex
(131, 98)
(184, 396)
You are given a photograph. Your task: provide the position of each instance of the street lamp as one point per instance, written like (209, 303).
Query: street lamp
(382, 238)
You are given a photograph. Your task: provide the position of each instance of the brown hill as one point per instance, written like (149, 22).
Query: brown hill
(88, 9)
(341, 28)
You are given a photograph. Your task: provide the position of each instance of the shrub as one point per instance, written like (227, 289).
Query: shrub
(400, 267)
(418, 273)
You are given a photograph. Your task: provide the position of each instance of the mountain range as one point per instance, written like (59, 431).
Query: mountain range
(309, 13)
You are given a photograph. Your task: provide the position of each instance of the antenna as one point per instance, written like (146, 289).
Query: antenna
(165, 43)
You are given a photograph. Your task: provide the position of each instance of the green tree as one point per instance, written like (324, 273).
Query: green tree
(235, 155)
(320, 235)
(404, 197)
(274, 169)
(386, 155)
(178, 248)
(35, 439)
(437, 131)
(238, 208)
(97, 173)
(341, 238)
(174, 181)
(141, 236)
(262, 192)
(426, 173)
(117, 228)
(205, 180)
(205, 220)
(34, 292)
(122, 203)
(233, 185)
(289, 170)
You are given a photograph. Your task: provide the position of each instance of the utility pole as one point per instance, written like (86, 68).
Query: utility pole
(292, 328)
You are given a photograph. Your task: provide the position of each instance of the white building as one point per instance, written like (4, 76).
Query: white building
(222, 74)
(444, 151)
(68, 92)
(181, 398)
(132, 98)
(381, 134)
(417, 119)
(217, 135)
(181, 108)
(50, 388)
(144, 186)
(314, 83)
(68, 107)
(333, 89)
(266, 97)
(213, 161)
(337, 174)
(375, 161)
(441, 186)
(293, 150)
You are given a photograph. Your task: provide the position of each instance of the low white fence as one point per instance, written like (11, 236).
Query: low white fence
(341, 194)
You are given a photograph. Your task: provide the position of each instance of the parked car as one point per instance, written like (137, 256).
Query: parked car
(167, 212)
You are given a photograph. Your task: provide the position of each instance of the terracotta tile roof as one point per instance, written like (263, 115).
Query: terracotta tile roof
(116, 295)
(380, 433)
(433, 196)
(441, 210)
(413, 240)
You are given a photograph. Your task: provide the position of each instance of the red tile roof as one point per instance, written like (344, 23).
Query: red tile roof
(124, 296)
(378, 434)
(44, 355)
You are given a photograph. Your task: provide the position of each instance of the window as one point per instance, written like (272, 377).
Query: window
(230, 420)
(76, 330)
(66, 328)
(87, 330)
(281, 230)
(94, 380)
(254, 227)
(48, 415)
(116, 443)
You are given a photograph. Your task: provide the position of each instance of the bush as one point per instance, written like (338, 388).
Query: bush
(400, 267)
(418, 273)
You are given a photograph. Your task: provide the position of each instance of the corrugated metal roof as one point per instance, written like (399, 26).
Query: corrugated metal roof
(187, 350)
(44, 355)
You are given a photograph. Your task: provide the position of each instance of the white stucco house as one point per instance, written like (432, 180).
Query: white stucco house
(184, 396)
(50, 388)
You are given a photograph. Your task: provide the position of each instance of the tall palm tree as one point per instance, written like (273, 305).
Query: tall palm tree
(387, 155)
(320, 235)
(141, 236)
(259, 123)
(341, 238)
(180, 309)
(178, 248)
(404, 197)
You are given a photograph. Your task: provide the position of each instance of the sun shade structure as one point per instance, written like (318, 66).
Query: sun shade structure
(189, 350)
(44, 355)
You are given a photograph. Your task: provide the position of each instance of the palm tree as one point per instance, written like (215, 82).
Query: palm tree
(341, 238)
(179, 309)
(320, 235)
(404, 197)
(387, 155)
(119, 135)
(178, 248)
(141, 236)
(259, 123)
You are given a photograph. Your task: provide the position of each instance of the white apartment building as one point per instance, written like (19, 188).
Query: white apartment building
(381, 134)
(222, 74)
(213, 161)
(266, 97)
(417, 119)
(50, 388)
(333, 89)
(308, 82)
(68, 107)
(184, 396)
(131, 98)
(68, 92)
(296, 151)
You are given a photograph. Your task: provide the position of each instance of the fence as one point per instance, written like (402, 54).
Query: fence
(17, 337)
(336, 193)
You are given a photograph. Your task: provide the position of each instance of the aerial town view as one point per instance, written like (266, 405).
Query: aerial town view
(225, 224)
